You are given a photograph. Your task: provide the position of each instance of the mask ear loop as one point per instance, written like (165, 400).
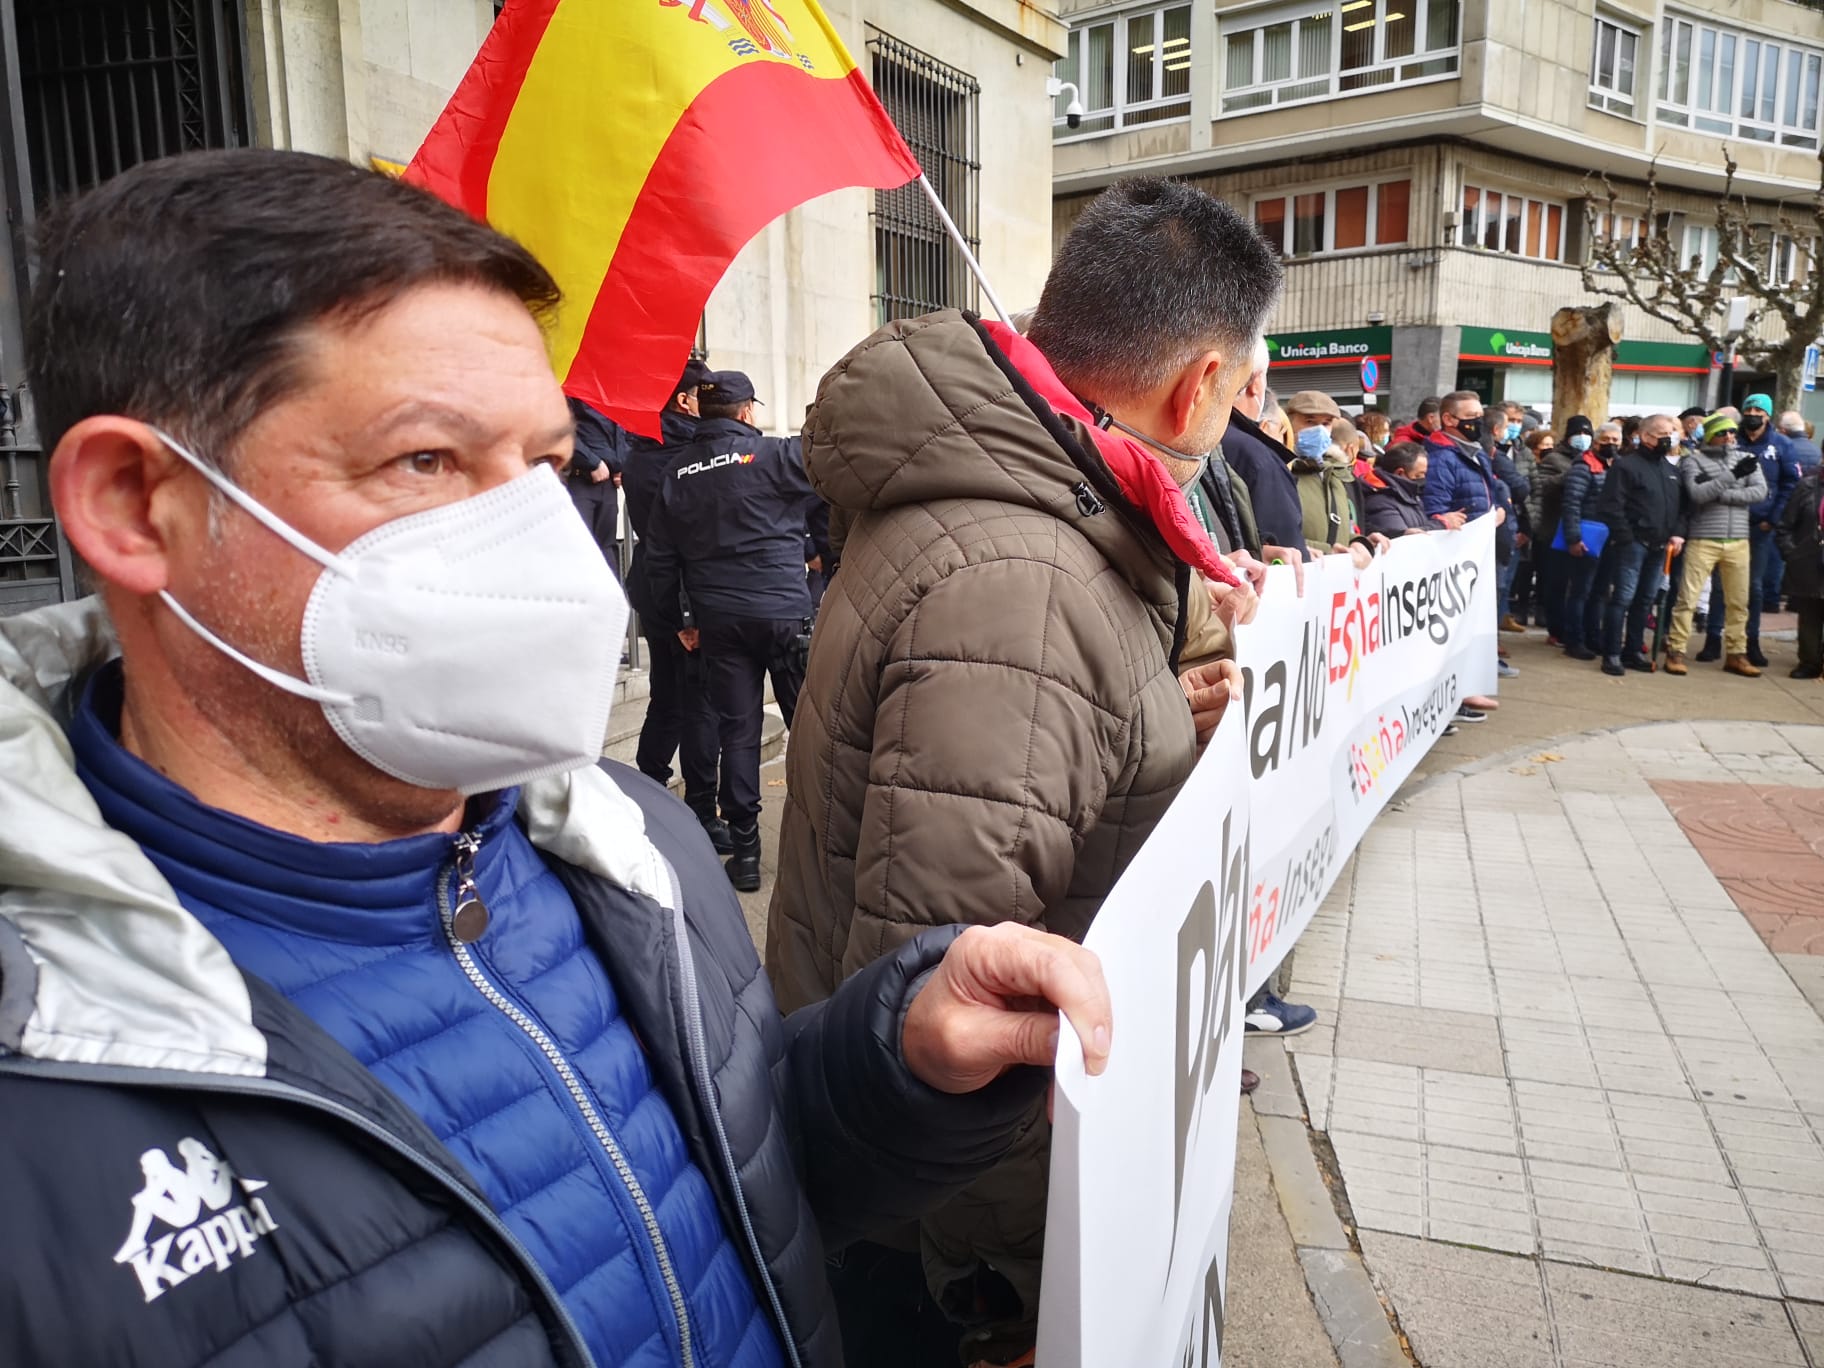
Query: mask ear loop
(328, 560)
(258, 511)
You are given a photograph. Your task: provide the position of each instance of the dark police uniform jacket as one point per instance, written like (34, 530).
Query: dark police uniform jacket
(644, 463)
(728, 524)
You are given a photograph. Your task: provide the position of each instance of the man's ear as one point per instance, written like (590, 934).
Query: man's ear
(111, 485)
(1196, 385)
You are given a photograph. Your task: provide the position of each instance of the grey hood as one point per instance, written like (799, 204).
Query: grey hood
(99, 962)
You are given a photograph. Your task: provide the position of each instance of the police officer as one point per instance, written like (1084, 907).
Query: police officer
(727, 528)
(600, 456)
(680, 720)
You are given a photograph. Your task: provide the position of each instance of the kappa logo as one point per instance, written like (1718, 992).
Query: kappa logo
(208, 1227)
(717, 463)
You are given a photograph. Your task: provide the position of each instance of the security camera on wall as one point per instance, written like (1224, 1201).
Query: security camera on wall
(1073, 111)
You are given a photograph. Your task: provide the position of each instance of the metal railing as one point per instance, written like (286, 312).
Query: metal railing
(918, 269)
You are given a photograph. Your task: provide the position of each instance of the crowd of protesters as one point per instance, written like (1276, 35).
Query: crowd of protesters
(1622, 538)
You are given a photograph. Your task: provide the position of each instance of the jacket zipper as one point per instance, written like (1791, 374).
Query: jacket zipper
(463, 870)
(270, 1088)
(695, 1036)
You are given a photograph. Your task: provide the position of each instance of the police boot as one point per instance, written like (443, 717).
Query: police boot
(714, 827)
(744, 865)
(1755, 657)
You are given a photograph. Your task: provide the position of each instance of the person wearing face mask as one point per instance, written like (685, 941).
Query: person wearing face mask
(1461, 485)
(1585, 545)
(1324, 472)
(340, 977)
(1780, 469)
(1642, 503)
(993, 720)
(1721, 484)
(1691, 426)
(1393, 493)
(1555, 564)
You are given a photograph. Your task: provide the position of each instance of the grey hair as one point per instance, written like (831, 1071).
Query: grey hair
(1154, 274)
(1610, 427)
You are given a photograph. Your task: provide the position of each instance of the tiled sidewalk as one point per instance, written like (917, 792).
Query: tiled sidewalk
(1554, 1034)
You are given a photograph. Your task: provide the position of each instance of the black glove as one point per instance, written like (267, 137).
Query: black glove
(1743, 467)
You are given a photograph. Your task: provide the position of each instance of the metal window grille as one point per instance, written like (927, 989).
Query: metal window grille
(107, 84)
(918, 269)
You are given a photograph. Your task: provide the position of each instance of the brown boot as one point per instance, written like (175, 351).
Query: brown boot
(1741, 665)
(1675, 663)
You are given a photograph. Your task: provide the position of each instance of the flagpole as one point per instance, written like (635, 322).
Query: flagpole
(975, 267)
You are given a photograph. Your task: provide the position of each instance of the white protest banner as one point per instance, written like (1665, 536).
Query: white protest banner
(1347, 688)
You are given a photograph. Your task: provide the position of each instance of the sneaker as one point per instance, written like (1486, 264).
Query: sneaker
(1611, 665)
(1580, 653)
(1637, 662)
(1469, 715)
(1507, 670)
(1551, 640)
(1269, 1016)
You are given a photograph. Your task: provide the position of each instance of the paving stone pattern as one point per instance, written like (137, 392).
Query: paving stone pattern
(1554, 1028)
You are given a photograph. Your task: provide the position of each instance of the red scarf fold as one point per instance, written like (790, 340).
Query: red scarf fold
(1140, 474)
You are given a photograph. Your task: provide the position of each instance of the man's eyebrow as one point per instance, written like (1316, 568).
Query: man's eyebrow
(463, 424)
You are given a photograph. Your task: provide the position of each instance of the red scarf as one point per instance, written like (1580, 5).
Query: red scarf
(1142, 478)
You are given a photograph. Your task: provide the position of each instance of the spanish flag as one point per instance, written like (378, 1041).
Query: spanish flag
(635, 146)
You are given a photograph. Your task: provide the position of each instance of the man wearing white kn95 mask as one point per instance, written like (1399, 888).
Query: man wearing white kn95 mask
(351, 1011)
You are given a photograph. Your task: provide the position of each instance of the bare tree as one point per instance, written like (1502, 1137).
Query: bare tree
(1772, 265)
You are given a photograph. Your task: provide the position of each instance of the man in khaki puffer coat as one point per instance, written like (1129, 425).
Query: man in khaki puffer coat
(992, 722)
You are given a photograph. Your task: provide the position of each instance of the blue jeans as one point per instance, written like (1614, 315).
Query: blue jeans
(1504, 585)
(1766, 569)
(1582, 607)
(1633, 581)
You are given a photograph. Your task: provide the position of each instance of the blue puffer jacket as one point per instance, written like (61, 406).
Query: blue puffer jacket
(1779, 467)
(203, 1175)
(354, 936)
(1459, 479)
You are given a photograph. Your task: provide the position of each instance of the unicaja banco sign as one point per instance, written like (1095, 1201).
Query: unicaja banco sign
(1343, 344)
(1493, 344)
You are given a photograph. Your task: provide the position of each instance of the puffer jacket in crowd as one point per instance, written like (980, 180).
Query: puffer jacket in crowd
(1459, 479)
(1801, 538)
(1717, 500)
(1583, 484)
(991, 724)
(197, 1173)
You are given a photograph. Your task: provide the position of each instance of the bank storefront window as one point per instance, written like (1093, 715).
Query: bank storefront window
(1315, 49)
(1129, 69)
(1343, 218)
(1741, 85)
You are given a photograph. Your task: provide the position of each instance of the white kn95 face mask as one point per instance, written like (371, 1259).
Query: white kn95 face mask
(470, 647)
